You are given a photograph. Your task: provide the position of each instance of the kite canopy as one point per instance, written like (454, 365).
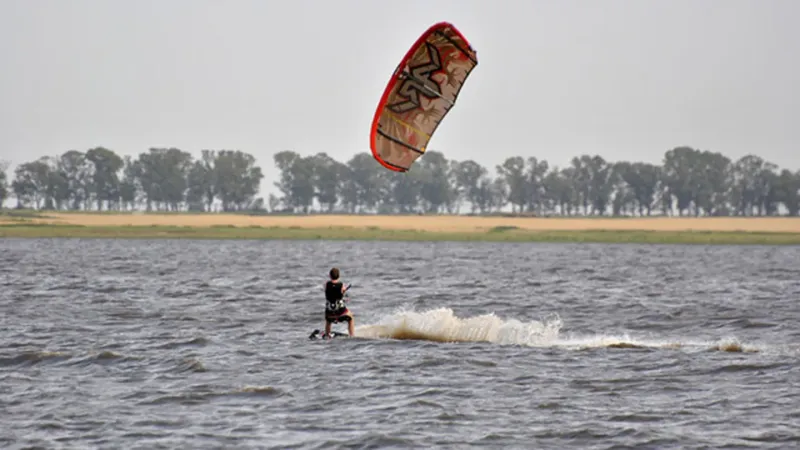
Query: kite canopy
(423, 88)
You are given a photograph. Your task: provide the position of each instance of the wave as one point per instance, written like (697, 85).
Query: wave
(728, 345)
(442, 325)
(33, 357)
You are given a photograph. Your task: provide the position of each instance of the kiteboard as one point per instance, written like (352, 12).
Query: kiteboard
(421, 91)
(318, 334)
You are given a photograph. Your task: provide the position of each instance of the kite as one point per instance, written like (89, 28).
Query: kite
(421, 91)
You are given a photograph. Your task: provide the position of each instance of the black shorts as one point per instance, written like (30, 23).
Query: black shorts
(340, 315)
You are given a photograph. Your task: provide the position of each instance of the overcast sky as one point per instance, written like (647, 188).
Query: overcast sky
(624, 79)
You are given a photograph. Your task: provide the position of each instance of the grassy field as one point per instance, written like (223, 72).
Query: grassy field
(775, 230)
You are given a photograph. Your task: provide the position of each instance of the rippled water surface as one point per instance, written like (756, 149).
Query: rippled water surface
(204, 344)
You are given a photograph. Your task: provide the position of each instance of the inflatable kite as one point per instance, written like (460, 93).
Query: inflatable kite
(422, 89)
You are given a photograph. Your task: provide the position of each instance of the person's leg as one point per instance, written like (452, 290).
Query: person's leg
(327, 327)
(351, 325)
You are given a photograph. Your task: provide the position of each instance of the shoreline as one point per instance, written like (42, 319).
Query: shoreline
(653, 230)
(230, 232)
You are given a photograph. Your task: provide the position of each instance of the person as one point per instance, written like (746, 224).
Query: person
(335, 309)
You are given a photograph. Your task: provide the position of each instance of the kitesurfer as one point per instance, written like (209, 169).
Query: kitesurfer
(335, 308)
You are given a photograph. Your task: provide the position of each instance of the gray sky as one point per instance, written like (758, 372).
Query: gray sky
(558, 78)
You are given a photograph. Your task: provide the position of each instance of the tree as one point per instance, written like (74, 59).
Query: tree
(105, 179)
(199, 181)
(483, 197)
(78, 173)
(56, 191)
(435, 190)
(624, 199)
(296, 181)
(130, 184)
(163, 174)
(678, 175)
(327, 180)
(791, 192)
(402, 192)
(709, 176)
(365, 183)
(535, 189)
(559, 192)
(3, 183)
(236, 179)
(602, 179)
(512, 172)
(787, 191)
(35, 182)
(642, 179)
(468, 175)
(580, 178)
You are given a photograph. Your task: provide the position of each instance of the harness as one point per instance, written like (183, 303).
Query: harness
(336, 305)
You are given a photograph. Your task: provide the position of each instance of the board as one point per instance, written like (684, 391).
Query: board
(317, 334)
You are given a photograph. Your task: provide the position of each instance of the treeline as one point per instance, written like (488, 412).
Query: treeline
(687, 182)
(161, 179)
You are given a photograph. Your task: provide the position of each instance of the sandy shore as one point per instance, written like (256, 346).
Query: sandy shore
(429, 223)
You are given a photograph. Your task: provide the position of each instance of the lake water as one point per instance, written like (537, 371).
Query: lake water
(204, 344)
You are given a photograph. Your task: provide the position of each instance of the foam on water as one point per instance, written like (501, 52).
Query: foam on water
(729, 344)
(442, 325)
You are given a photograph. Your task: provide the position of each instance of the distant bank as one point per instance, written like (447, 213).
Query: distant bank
(702, 230)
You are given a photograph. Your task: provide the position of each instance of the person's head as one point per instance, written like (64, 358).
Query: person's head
(334, 274)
